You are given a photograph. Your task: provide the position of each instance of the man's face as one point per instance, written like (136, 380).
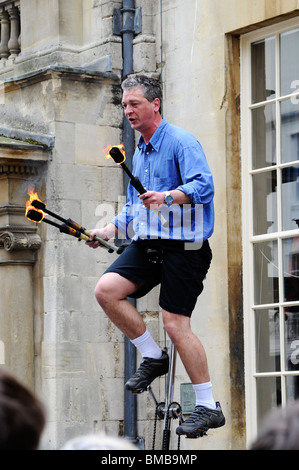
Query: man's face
(138, 110)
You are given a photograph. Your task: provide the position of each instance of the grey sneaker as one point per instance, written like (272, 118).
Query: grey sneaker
(201, 420)
(148, 370)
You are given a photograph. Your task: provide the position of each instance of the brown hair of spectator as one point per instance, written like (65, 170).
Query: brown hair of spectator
(22, 415)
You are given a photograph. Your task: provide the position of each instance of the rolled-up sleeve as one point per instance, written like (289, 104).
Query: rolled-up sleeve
(125, 217)
(196, 176)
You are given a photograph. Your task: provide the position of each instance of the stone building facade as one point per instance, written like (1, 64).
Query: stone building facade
(61, 64)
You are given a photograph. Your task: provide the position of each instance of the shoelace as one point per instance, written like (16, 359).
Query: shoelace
(143, 366)
(197, 413)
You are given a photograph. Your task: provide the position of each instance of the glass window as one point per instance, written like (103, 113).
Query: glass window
(264, 136)
(266, 273)
(268, 395)
(289, 64)
(290, 254)
(263, 70)
(289, 130)
(264, 202)
(291, 312)
(267, 339)
(270, 149)
(290, 197)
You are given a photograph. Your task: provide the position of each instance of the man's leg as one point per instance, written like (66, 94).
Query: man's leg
(111, 292)
(207, 413)
(188, 346)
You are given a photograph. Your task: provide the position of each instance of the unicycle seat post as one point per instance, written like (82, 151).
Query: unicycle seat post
(169, 396)
(171, 375)
(168, 409)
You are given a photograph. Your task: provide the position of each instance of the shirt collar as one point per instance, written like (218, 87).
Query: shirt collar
(156, 139)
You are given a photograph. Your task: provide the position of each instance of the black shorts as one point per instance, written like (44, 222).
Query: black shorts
(181, 272)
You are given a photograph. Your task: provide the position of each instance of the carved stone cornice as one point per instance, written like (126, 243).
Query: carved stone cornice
(12, 241)
(17, 168)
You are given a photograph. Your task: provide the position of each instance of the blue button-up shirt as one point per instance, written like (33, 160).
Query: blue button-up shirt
(173, 159)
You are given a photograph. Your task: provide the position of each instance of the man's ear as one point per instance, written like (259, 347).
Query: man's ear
(157, 104)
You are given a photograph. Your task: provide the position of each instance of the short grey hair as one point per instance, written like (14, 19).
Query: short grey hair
(150, 87)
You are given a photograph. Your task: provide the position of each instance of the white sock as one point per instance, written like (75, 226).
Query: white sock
(147, 346)
(204, 395)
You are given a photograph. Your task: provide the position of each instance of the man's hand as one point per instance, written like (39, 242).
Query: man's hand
(105, 233)
(152, 199)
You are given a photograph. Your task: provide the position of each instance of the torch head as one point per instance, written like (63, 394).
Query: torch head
(117, 155)
(38, 204)
(34, 207)
(34, 215)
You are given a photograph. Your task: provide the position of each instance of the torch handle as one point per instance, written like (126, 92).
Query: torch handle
(52, 214)
(66, 229)
(74, 225)
(71, 231)
(102, 242)
(135, 181)
(86, 232)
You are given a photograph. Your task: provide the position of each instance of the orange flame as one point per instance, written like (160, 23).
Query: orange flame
(32, 197)
(121, 148)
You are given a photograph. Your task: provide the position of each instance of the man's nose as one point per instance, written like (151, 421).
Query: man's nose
(128, 110)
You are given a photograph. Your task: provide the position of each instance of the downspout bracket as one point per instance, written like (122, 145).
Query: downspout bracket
(118, 27)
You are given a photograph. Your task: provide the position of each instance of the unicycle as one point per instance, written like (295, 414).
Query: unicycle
(168, 409)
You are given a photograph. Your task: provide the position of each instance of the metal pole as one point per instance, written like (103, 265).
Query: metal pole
(169, 396)
(127, 33)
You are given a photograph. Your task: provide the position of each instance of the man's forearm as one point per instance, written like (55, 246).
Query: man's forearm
(179, 197)
(109, 231)
(155, 199)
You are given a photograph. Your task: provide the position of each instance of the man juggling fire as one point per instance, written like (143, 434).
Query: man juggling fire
(172, 218)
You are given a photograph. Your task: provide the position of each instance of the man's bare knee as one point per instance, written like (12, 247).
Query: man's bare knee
(113, 287)
(175, 325)
(103, 290)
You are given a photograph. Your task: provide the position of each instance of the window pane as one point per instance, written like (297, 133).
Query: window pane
(290, 248)
(267, 340)
(263, 136)
(263, 70)
(290, 197)
(292, 338)
(265, 273)
(292, 387)
(289, 49)
(268, 391)
(289, 130)
(264, 202)
(291, 293)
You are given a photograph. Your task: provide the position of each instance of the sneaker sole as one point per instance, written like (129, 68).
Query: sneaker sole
(196, 435)
(142, 388)
(137, 390)
(199, 432)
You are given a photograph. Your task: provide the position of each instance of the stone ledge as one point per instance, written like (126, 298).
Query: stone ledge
(25, 140)
(63, 71)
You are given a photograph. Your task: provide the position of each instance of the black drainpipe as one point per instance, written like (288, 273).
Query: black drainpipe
(127, 23)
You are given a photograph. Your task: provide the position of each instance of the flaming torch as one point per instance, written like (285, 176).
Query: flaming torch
(36, 211)
(117, 153)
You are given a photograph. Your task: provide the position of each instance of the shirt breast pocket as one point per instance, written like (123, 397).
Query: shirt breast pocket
(164, 184)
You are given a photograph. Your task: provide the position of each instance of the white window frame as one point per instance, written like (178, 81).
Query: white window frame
(247, 225)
